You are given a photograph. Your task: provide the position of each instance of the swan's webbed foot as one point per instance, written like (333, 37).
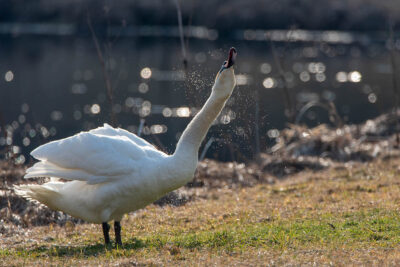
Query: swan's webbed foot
(117, 228)
(106, 229)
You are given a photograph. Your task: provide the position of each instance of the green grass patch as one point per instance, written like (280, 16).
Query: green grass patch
(377, 228)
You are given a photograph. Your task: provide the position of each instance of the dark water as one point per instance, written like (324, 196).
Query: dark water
(53, 87)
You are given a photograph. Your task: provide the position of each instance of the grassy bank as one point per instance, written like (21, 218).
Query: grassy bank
(347, 215)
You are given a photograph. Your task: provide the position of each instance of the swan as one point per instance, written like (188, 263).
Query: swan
(111, 172)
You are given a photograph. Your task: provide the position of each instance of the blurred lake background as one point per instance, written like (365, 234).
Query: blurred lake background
(297, 60)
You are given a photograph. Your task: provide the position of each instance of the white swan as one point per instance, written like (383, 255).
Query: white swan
(114, 172)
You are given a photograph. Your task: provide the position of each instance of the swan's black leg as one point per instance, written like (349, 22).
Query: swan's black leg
(106, 229)
(117, 228)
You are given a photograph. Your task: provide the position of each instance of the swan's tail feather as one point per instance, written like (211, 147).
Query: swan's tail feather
(44, 194)
(48, 169)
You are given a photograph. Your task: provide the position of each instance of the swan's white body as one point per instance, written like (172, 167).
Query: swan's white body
(113, 171)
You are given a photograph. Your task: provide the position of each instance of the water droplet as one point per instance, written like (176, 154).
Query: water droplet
(355, 77)
(305, 76)
(15, 125)
(225, 119)
(265, 68)
(21, 119)
(95, 109)
(9, 140)
(26, 141)
(53, 131)
(16, 149)
(9, 76)
(20, 159)
(298, 67)
(183, 112)
(129, 102)
(273, 133)
(56, 115)
(269, 83)
(242, 79)
(77, 115)
(320, 77)
(145, 73)
(24, 108)
(143, 88)
(79, 88)
(167, 112)
(158, 129)
(32, 133)
(341, 77)
(372, 98)
(44, 131)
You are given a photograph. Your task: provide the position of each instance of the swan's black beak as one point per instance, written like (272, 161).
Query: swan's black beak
(231, 60)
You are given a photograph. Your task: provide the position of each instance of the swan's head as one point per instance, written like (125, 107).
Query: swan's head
(225, 80)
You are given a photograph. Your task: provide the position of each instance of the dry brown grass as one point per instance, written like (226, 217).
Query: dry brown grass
(341, 216)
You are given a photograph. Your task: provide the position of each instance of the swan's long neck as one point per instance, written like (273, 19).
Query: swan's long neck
(190, 141)
(182, 164)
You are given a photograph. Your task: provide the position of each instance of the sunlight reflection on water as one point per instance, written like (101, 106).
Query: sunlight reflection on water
(151, 84)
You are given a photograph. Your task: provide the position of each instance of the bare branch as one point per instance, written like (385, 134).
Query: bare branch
(106, 75)
(394, 79)
(179, 14)
(288, 100)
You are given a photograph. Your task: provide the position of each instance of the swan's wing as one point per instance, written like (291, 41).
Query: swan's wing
(110, 131)
(97, 156)
(107, 130)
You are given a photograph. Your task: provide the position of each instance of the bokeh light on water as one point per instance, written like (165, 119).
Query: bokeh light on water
(145, 73)
(9, 76)
(58, 89)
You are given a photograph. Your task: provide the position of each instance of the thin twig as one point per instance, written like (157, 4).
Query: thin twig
(118, 35)
(4, 132)
(333, 111)
(189, 25)
(256, 125)
(106, 75)
(330, 108)
(394, 79)
(206, 147)
(394, 66)
(288, 100)
(140, 128)
(179, 14)
(156, 139)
